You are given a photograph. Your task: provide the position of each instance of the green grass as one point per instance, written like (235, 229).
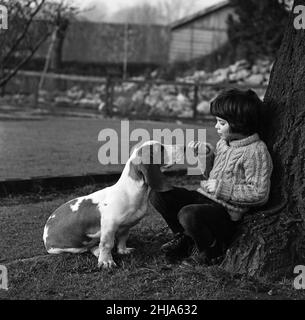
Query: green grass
(143, 275)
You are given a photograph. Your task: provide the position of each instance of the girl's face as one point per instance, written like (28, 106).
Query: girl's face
(223, 128)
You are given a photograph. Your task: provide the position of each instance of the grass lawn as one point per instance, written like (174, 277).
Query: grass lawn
(142, 275)
(61, 146)
(53, 147)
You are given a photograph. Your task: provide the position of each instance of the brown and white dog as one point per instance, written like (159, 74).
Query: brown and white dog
(94, 222)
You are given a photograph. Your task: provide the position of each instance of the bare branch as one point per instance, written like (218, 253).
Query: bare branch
(20, 43)
(13, 72)
(23, 34)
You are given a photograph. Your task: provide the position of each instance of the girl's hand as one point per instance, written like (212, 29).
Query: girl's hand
(196, 146)
(211, 185)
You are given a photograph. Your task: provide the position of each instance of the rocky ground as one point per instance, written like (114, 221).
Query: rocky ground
(240, 73)
(145, 99)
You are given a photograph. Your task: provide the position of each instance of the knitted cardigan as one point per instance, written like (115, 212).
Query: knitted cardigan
(242, 169)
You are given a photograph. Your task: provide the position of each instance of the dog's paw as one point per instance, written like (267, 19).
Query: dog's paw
(125, 250)
(95, 251)
(106, 264)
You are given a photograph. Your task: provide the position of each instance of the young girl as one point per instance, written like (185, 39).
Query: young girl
(206, 219)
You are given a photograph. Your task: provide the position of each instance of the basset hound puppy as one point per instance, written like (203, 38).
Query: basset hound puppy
(99, 220)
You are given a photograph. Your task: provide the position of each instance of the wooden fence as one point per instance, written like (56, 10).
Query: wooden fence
(26, 82)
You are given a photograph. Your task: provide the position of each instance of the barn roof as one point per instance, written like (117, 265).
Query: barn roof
(200, 14)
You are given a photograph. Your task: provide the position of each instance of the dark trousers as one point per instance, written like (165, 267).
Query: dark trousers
(190, 212)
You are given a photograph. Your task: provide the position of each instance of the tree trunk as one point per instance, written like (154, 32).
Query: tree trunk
(61, 31)
(272, 238)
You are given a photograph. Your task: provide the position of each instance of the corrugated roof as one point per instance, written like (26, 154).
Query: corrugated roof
(199, 14)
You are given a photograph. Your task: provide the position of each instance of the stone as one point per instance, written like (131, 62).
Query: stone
(255, 79)
(203, 107)
(88, 103)
(262, 62)
(255, 69)
(122, 102)
(238, 65)
(138, 96)
(186, 114)
(222, 72)
(101, 106)
(181, 98)
(75, 93)
(63, 101)
(242, 74)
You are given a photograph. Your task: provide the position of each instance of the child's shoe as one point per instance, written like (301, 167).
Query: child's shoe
(178, 248)
(197, 258)
(215, 253)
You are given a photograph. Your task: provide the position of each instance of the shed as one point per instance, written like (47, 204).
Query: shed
(201, 33)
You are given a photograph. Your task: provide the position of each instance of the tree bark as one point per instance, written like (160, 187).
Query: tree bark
(272, 238)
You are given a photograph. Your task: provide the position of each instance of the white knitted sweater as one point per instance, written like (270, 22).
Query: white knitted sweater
(242, 169)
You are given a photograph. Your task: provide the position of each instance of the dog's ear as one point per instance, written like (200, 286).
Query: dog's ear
(150, 171)
(154, 178)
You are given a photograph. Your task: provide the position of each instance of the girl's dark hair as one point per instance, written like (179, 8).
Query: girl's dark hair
(240, 108)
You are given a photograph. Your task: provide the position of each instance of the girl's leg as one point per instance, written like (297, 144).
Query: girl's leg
(209, 225)
(169, 203)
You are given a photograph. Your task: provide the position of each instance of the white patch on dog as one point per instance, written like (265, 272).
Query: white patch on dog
(94, 197)
(45, 234)
(69, 250)
(94, 235)
(74, 207)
